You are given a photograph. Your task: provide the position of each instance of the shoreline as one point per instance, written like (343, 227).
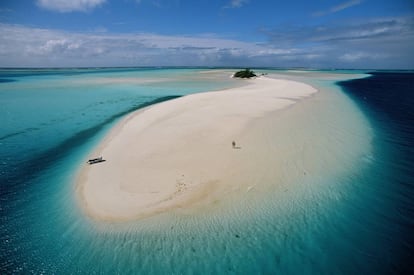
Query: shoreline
(197, 160)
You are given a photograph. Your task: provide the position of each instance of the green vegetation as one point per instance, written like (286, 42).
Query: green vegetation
(247, 73)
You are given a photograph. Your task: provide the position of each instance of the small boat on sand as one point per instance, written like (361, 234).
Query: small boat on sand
(96, 160)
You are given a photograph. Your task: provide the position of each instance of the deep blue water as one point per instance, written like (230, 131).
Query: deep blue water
(388, 100)
(52, 118)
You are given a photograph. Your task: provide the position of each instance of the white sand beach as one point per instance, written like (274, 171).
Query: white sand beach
(180, 152)
(179, 155)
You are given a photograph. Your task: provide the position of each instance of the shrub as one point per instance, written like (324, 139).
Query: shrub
(247, 73)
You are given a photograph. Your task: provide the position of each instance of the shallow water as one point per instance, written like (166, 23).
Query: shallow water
(356, 221)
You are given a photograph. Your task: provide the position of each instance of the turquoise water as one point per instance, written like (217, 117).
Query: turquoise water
(51, 119)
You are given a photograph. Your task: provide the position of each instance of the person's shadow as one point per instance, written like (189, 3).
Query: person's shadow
(233, 144)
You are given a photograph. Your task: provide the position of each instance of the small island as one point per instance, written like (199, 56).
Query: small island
(246, 73)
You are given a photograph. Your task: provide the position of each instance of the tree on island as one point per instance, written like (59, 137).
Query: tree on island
(247, 73)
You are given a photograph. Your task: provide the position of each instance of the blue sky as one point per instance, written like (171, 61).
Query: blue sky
(376, 34)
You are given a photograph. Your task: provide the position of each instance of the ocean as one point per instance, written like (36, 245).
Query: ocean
(52, 118)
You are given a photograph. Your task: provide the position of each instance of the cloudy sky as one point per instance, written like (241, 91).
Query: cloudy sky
(372, 34)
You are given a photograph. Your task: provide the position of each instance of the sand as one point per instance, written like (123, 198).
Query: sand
(179, 155)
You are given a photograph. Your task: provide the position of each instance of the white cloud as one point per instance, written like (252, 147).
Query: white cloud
(237, 3)
(24, 46)
(58, 46)
(340, 7)
(352, 57)
(383, 43)
(376, 43)
(69, 5)
(345, 5)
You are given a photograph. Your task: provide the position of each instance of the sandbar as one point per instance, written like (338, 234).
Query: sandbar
(179, 154)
